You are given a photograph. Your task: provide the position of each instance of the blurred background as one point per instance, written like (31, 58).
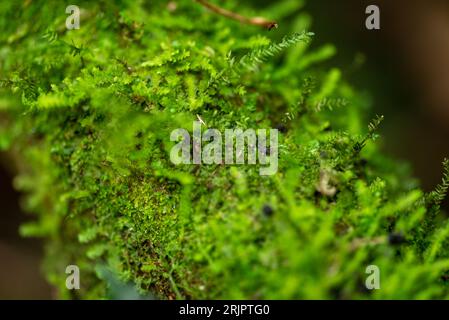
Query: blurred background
(20, 259)
(405, 71)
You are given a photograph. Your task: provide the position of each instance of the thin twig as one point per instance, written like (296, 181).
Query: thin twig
(257, 21)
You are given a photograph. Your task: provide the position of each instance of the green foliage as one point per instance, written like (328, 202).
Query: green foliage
(258, 56)
(437, 196)
(89, 124)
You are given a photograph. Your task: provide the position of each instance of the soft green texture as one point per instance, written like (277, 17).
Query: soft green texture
(89, 127)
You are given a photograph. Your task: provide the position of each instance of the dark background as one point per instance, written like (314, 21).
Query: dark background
(406, 71)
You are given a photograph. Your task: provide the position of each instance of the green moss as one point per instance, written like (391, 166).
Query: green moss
(90, 122)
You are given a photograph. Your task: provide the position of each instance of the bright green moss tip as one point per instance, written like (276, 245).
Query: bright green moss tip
(87, 114)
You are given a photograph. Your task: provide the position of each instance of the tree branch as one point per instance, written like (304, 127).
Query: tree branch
(257, 21)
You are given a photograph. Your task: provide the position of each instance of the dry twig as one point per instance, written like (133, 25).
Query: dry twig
(257, 21)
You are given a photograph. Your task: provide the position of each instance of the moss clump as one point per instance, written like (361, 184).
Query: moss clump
(89, 127)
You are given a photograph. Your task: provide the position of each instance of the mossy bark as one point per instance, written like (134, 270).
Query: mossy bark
(90, 121)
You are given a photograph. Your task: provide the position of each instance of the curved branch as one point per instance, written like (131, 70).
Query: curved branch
(257, 21)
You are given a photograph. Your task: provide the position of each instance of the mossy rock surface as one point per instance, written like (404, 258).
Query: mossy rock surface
(87, 116)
